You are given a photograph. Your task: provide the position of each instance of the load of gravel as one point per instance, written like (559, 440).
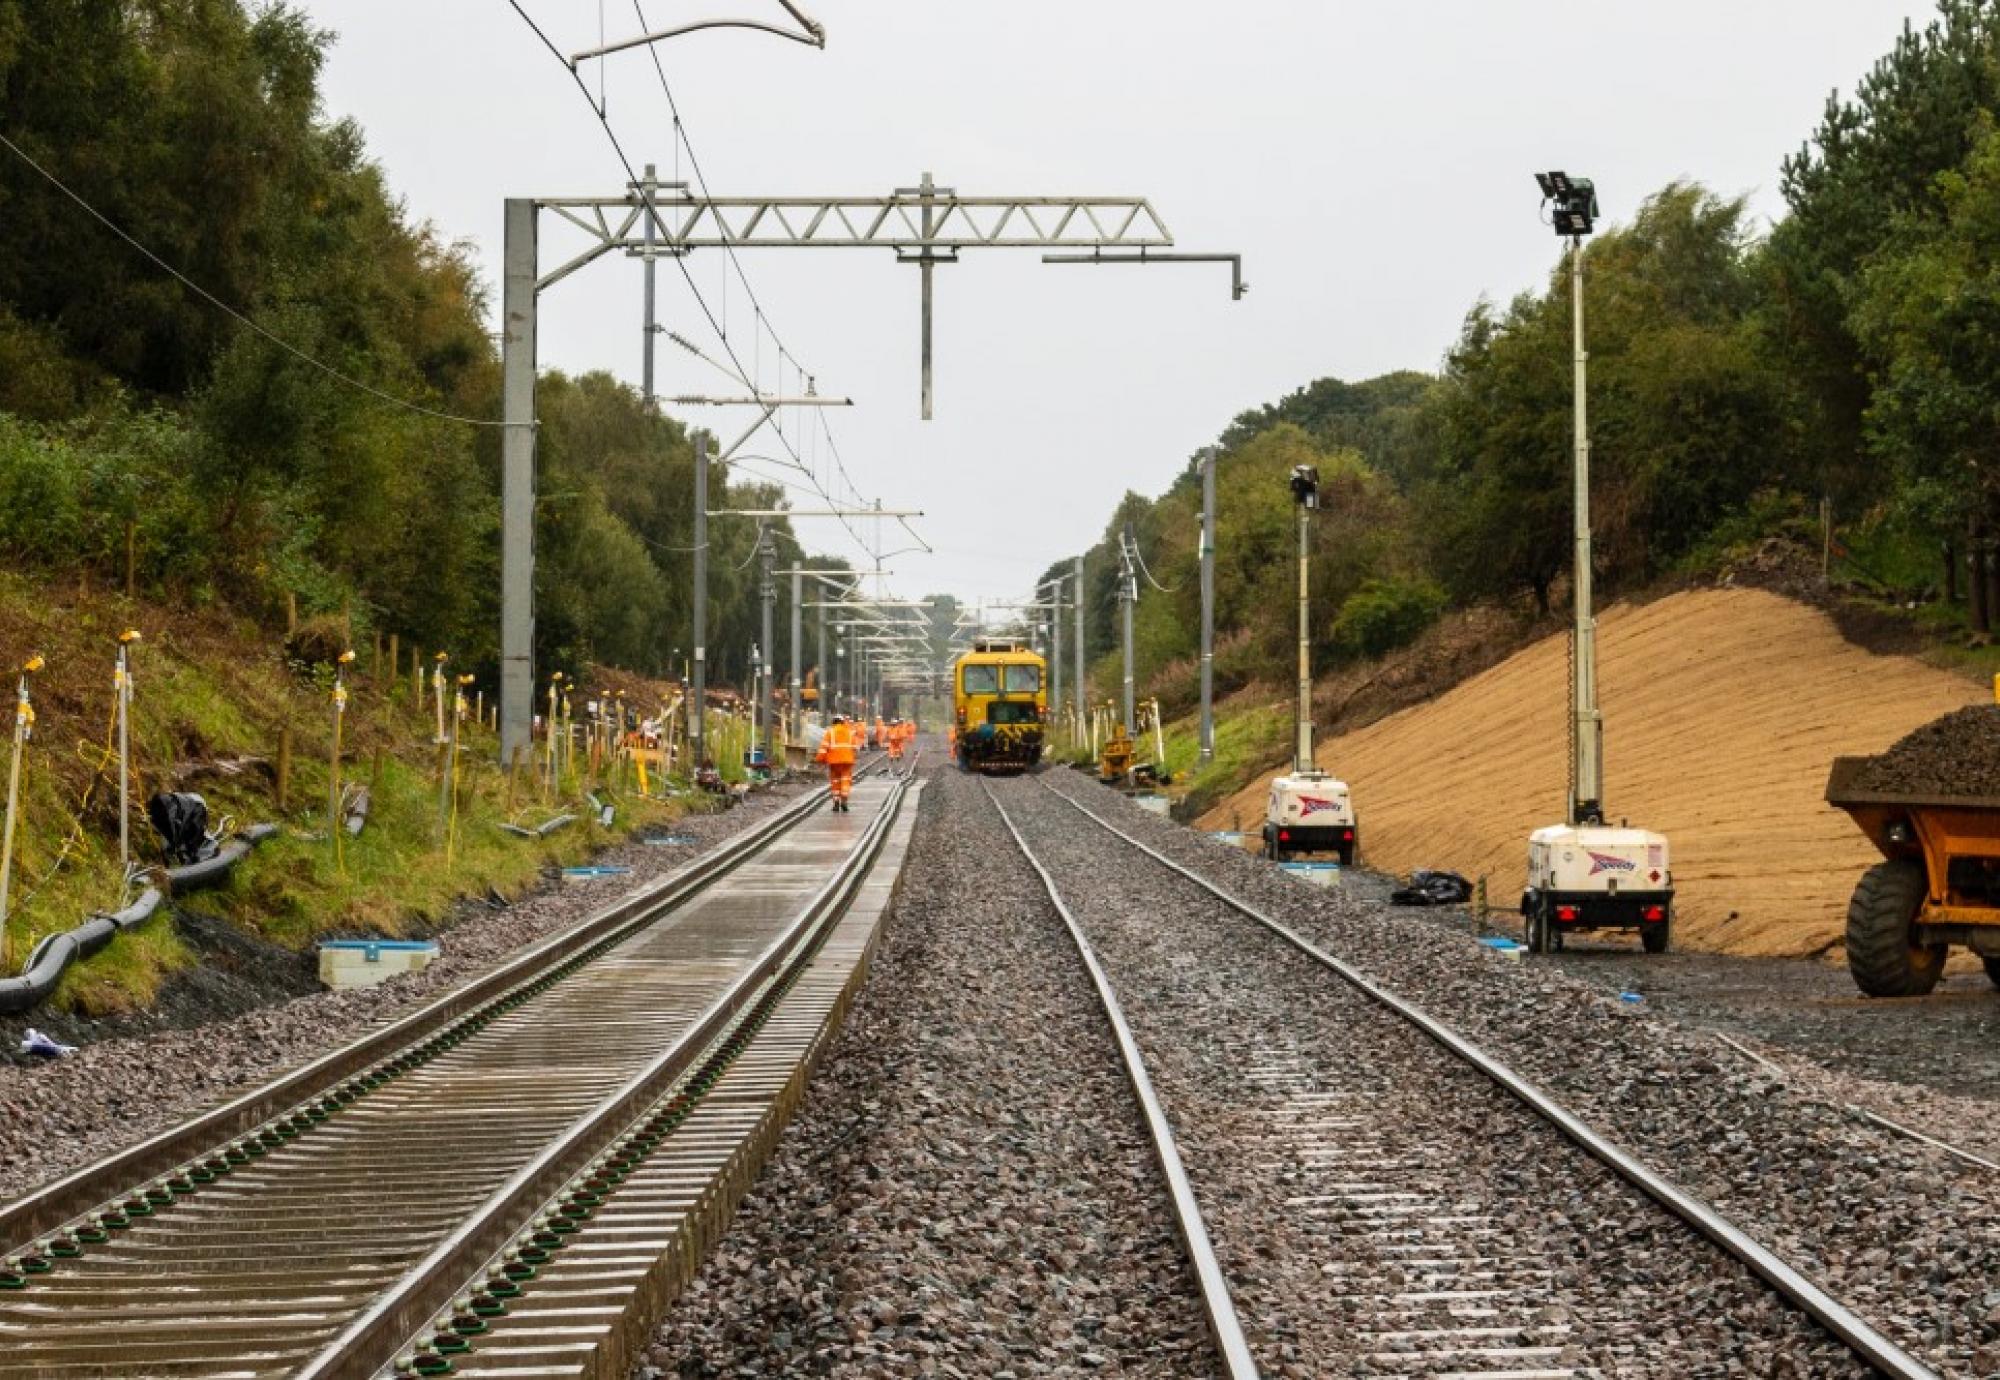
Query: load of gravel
(1957, 755)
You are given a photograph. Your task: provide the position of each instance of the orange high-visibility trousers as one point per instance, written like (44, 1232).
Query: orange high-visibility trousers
(840, 779)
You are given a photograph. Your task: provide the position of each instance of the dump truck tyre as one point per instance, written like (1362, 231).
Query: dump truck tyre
(1881, 953)
(1993, 971)
(1655, 935)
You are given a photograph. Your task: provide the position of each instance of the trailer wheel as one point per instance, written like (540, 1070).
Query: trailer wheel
(1539, 928)
(1656, 935)
(1883, 954)
(1993, 970)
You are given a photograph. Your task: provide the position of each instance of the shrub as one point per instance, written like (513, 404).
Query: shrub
(1386, 614)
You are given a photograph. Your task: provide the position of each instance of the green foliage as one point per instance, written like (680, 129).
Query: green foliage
(1683, 409)
(1769, 513)
(1386, 614)
(1926, 309)
(250, 474)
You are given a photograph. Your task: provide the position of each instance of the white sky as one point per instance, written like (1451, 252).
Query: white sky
(1371, 161)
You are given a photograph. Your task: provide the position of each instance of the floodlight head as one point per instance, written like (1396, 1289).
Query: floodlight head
(1574, 209)
(1305, 485)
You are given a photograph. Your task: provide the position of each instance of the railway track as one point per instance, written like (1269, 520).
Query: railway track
(510, 1180)
(1391, 1199)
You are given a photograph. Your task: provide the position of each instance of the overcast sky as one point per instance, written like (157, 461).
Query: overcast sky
(1370, 159)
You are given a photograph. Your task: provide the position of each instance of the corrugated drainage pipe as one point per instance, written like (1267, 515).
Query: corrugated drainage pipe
(56, 952)
(209, 871)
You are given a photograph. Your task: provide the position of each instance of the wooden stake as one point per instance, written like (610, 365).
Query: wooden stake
(131, 560)
(291, 615)
(395, 665)
(284, 764)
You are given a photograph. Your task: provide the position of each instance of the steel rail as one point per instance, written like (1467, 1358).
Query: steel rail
(1943, 1147)
(1223, 1325)
(63, 1201)
(398, 1315)
(1881, 1353)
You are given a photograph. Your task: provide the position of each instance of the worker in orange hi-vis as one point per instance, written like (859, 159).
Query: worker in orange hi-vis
(880, 736)
(892, 738)
(836, 749)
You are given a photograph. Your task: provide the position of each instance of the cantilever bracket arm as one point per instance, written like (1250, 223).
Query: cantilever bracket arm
(813, 36)
(1146, 256)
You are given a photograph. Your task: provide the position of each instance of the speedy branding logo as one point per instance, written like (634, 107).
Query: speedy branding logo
(1604, 862)
(1313, 804)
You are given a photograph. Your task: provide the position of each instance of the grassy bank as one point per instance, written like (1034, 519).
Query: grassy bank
(222, 709)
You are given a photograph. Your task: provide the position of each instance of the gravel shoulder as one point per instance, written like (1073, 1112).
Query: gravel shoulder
(966, 1188)
(1931, 1063)
(1904, 1235)
(119, 1089)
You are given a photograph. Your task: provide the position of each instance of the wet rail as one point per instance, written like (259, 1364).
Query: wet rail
(1866, 1343)
(1217, 1305)
(392, 1206)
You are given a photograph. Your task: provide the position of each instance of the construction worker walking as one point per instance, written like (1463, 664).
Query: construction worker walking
(893, 738)
(836, 748)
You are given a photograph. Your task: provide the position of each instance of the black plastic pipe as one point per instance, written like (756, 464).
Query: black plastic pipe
(52, 957)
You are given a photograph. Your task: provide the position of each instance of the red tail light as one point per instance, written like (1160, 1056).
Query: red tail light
(1284, 836)
(1566, 913)
(961, 713)
(1655, 912)
(1347, 835)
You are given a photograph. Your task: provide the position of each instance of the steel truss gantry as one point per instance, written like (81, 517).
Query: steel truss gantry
(925, 225)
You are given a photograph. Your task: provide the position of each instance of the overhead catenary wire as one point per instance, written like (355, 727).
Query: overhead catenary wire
(720, 327)
(304, 357)
(1133, 546)
(701, 181)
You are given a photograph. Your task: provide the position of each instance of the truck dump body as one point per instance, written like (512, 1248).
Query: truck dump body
(1955, 837)
(1939, 881)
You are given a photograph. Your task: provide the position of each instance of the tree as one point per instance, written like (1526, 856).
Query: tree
(1927, 312)
(1868, 171)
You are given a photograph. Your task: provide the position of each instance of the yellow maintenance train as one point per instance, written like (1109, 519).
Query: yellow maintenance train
(1000, 704)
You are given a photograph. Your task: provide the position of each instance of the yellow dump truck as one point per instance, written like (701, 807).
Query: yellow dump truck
(1938, 884)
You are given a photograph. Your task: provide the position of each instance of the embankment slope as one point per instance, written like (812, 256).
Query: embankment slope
(1723, 710)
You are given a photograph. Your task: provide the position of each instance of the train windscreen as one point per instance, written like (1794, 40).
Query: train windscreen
(1023, 680)
(980, 680)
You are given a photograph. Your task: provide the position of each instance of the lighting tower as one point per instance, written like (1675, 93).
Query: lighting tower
(1585, 874)
(1308, 811)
